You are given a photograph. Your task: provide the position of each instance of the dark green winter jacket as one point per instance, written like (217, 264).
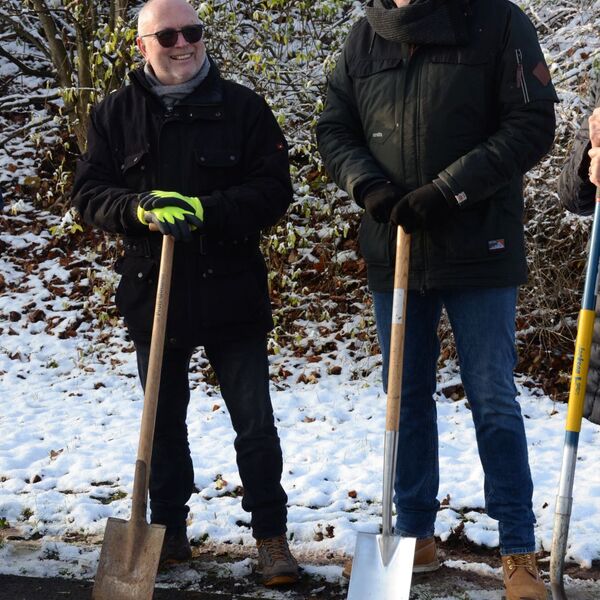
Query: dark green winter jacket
(474, 117)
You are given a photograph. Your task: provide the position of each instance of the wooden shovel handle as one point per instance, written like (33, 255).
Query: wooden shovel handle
(394, 388)
(157, 344)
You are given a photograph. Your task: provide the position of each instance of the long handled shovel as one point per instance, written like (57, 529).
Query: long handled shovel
(585, 327)
(131, 549)
(382, 567)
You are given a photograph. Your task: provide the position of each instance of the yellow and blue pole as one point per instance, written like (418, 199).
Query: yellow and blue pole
(581, 361)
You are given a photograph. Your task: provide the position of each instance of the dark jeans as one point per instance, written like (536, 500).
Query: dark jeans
(483, 322)
(242, 370)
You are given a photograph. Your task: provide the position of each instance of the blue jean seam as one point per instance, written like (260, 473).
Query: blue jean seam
(506, 551)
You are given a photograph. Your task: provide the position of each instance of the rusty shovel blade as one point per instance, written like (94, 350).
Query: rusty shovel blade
(128, 560)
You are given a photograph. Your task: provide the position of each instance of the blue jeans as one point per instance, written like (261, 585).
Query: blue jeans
(483, 322)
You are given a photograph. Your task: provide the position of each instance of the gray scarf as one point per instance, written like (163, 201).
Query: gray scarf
(171, 94)
(422, 22)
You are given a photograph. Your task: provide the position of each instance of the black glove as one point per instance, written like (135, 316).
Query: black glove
(423, 208)
(379, 200)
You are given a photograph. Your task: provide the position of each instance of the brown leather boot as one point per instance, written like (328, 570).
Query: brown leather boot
(276, 562)
(521, 578)
(176, 547)
(426, 559)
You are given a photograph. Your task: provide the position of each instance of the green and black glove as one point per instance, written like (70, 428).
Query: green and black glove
(173, 213)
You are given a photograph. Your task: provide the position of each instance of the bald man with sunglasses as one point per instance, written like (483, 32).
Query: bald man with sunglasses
(202, 159)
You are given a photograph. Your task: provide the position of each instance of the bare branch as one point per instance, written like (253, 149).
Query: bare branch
(23, 34)
(19, 101)
(23, 67)
(21, 130)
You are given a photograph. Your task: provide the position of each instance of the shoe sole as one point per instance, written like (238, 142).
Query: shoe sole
(428, 568)
(169, 562)
(506, 597)
(516, 596)
(281, 580)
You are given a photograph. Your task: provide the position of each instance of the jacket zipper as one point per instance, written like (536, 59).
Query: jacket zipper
(408, 51)
(521, 83)
(424, 248)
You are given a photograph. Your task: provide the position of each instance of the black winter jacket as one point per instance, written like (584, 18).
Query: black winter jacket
(222, 144)
(476, 117)
(578, 194)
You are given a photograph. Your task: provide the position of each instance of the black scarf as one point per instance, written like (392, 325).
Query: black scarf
(422, 22)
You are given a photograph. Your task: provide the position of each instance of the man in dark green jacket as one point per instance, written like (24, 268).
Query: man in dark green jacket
(204, 160)
(434, 112)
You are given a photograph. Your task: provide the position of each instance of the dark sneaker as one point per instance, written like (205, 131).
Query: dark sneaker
(176, 547)
(276, 562)
(521, 578)
(425, 561)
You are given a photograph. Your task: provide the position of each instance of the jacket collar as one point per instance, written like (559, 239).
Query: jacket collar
(208, 92)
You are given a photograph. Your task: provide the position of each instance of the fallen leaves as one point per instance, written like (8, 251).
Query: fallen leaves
(36, 316)
(54, 454)
(320, 535)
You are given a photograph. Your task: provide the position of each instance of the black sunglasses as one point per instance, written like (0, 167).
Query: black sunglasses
(167, 38)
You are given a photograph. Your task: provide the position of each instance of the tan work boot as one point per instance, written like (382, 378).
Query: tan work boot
(276, 562)
(521, 578)
(426, 559)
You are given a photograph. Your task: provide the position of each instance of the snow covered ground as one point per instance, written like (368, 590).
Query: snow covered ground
(70, 402)
(69, 421)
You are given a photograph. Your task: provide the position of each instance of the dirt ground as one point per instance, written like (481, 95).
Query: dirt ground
(212, 576)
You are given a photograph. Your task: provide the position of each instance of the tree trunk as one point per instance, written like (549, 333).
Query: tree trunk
(84, 34)
(58, 52)
(118, 10)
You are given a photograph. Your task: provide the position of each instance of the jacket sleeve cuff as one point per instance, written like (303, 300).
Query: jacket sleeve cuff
(452, 199)
(134, 224)
(132, 216)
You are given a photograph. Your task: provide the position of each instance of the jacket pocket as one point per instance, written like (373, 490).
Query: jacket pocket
(459, 56)
(372, 88)
(136, 291)
(463, 79)
(365, 67)
(376, 241)
(136, 170)
(475, 235)
(217, 168)
(233, 293)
